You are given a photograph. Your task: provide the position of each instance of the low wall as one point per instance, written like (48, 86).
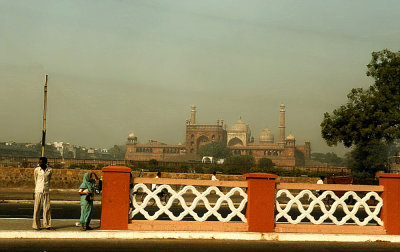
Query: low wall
(23, 177)
(72, 178)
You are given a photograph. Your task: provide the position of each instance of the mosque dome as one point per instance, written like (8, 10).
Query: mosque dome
(241, 127)
(266, 136)
(131, 135)
(290, 137)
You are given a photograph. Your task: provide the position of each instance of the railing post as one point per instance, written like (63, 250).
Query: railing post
(115, 198)
(390, 213)
(260, 211)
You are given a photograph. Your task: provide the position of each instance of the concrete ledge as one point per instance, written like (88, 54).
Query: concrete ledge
(193, 226)
(23, 234)
(329, 229)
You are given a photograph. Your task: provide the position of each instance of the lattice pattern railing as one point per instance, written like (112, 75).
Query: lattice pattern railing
(177, 198)
(328, 204)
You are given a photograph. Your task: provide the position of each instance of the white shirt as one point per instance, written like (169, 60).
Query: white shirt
(42, 179)
(154, 186)
(213, 177)
(320, 182)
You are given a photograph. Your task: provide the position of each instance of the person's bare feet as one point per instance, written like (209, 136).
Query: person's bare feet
(83, 229)
(51, 229)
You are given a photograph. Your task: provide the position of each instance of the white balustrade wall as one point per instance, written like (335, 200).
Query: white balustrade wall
(177, 198)
(306, 202)
(295, 205)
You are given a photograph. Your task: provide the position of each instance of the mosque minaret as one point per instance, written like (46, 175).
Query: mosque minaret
(282, 125)
(193, 115)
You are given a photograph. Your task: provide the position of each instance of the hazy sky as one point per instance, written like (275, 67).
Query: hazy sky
(117, 67)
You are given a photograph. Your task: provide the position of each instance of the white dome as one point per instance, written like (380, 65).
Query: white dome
(241, 127)
(266, 136)
(290, 137)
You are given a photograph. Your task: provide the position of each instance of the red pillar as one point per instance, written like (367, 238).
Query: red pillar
(260, 211)
(115, 199)
(390, 213)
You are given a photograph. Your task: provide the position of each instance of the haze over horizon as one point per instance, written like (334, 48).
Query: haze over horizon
(117, 67)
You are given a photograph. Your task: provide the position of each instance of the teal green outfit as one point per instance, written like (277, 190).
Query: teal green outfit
(86, 205)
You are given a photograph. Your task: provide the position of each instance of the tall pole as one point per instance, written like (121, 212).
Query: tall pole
(44, 118)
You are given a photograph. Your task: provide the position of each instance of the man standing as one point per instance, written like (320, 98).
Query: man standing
(155, 186)
(214, 176)
(320, 182)
(42, 176)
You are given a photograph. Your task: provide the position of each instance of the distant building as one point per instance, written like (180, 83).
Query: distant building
(201, 134)
(64, 148)
(238, 138)
(153, 150)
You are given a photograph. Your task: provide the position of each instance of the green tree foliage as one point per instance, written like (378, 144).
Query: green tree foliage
(371, 117)
(81, 154)
(68, 154)
(24, 150)
(243, 160)
(239, 164)
(153, 162)
(215, 149)
(227, 169)
(330, 158)
(117, 152)
(369, 158)
(371, 114)
(265, 163)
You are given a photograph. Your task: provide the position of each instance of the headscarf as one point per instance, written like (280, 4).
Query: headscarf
(86, 184)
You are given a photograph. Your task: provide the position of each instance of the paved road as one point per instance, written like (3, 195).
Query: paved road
(187, 245)
(59, 224)
(58, 211)
(27, 194)
(72, 211)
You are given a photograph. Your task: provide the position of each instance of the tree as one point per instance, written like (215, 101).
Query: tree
(330, 158)
(81, 154)
(371, 117)
(68, 154)
(216, 149)
(241, 163)
(372, 114)
(117, 152)
(153, 162)
(265, 163)
(369, 158)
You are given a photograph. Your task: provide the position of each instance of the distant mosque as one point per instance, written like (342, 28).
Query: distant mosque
(284, 152)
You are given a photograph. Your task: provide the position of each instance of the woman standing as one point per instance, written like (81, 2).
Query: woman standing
(86, 190)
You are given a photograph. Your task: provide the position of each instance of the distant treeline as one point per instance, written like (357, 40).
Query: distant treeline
(27, 150)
